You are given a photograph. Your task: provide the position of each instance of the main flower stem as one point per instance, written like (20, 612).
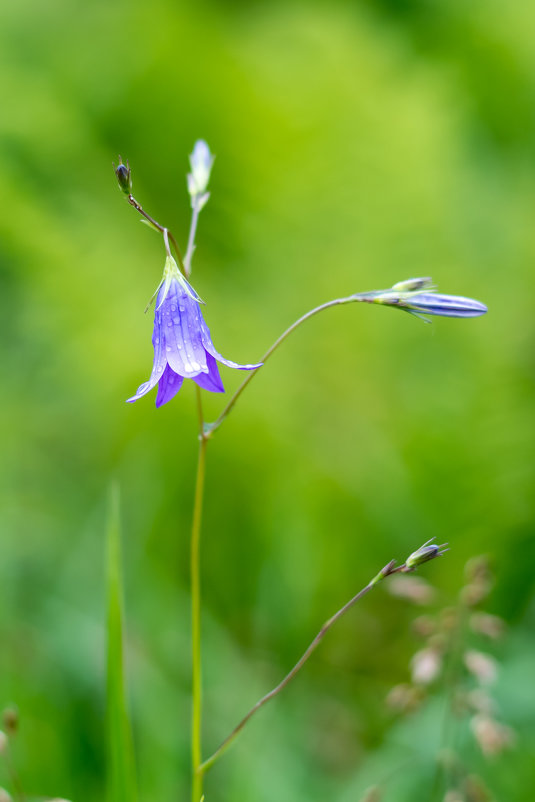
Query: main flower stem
(389, 569)
(196, 666)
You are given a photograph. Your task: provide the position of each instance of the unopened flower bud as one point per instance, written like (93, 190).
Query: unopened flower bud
(124, 176)
(3, 742)
(417, 296)
(425, 553)
(201, 161)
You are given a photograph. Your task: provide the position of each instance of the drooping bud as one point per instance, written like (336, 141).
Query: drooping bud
(124, 176)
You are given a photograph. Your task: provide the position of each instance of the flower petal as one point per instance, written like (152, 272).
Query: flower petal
(169, 385)
(159, 363)
(212, 380)
(184, 350)
(444, 305)
(207, 342)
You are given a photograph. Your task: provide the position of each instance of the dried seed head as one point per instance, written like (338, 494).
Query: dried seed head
(425, 666)
(413, 588)
(491, 736)
(485, 624)
(10, 718)
(483, 667)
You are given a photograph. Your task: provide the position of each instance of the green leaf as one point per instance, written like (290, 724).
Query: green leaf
(121, 778)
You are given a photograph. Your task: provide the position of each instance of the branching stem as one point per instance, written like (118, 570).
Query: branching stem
(389, 569)
(358, 297)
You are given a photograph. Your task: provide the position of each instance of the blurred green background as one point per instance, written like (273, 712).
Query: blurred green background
(357, 144)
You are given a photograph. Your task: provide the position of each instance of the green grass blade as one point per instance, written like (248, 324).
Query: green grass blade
(121, 780)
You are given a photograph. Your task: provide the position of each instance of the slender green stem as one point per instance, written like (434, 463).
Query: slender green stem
(386, 571)
(138, 207)
(191, 241)
(196, 669)
(359, 297)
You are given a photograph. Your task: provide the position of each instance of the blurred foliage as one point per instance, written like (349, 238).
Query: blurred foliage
(357, 145)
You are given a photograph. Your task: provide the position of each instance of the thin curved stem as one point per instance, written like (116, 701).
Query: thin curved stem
(196, 665)
(389, 569)
(138, 207)
(358, 297)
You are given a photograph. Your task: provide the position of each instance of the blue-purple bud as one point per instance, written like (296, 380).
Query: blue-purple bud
(417, 296)
(425, 553)
(124, 176)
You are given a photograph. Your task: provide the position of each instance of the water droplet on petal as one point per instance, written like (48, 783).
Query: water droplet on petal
(168, 348)
(157, 340)
(173, 308)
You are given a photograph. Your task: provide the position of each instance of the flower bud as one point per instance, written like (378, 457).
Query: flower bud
(201, 161)
(425, 553)
(417, 296)
(124, 176)
(3, 742)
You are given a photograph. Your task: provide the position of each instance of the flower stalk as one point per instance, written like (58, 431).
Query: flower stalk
(195, 579)
(389, 569)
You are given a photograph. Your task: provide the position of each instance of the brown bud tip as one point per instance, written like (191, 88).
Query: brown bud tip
(10, 718)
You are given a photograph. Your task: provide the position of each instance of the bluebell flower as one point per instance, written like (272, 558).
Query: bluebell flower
(183, 347)
(417, 296)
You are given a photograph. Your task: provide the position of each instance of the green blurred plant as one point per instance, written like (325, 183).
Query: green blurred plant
(451, 660)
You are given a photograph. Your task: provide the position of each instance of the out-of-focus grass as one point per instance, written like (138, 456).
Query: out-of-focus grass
(119, 755)
(356, 146)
